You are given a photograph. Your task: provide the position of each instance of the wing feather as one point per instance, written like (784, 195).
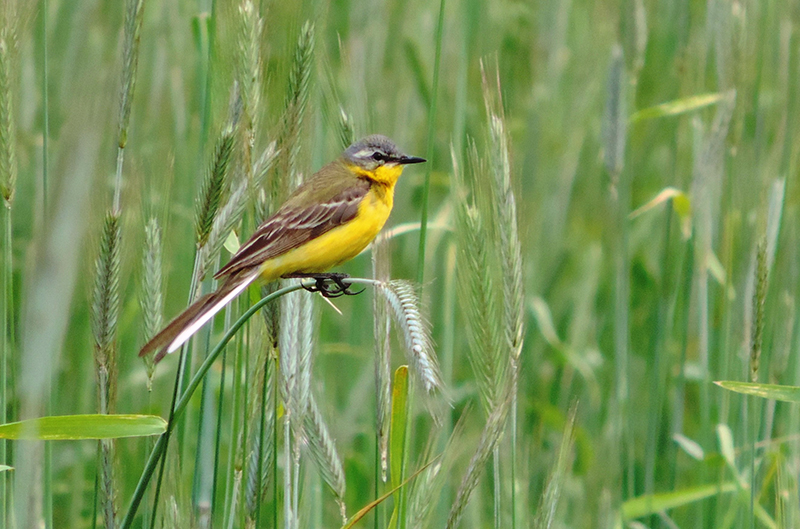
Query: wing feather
(293, 225)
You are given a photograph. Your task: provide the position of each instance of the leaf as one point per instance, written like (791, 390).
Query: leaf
(726, 445)
(766, 391)
(232, 243)
(681, 205)
(93, 426)
(715, 268)
(374, 503)
(691, 447)
(677, 107)
(3, 468)
(545, 320)
(655, 503)
(397, 434)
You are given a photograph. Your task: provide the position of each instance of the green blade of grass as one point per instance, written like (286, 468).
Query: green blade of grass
(677, 106)
(371, 505)
(656, 503)
(766, 391)
(397, 442)
(90, 426)
(429, 166)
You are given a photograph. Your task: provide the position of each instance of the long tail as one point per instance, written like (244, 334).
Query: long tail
(188, 322)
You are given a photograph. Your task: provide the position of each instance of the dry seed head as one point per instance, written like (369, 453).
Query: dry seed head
(759, 296)
(249, 61)
(151, 300)
(130, 61)
(346, 134)
(383, 368)
(322, 449)
(505, 212)
(492, 431)
(214, 187)
(8, 164)
(487, 354)
(105, 306)
(404, 303)
(615, 121)
(287, 175)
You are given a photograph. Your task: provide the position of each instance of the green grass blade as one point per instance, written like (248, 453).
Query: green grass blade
(766, 391)
(677, 107)
(656, 503)
(429, 166)
(397, 442)
(89, 426)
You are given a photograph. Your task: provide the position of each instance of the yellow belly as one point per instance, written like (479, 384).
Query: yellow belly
(336, 246)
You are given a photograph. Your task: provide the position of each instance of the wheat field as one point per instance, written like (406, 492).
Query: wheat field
(581, 313)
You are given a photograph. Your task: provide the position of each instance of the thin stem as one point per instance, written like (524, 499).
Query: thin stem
(45, 112)
(237, 405)
(514, 398)
(165, 438)
(118, 185)
(261, 435)
(218, 437)
(753, 420)
(429, 166)
(275, 401)
(288, 521)
(48, 449)
(496, 484)
(8, 344)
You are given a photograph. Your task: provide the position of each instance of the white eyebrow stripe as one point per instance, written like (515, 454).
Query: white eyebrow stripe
(363, 153)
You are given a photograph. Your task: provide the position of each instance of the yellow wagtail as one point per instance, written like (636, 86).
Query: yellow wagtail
(326, 221)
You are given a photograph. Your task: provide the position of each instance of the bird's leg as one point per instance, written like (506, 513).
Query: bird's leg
(329, 284)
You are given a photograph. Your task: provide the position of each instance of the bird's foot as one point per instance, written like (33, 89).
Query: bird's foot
(330, 284)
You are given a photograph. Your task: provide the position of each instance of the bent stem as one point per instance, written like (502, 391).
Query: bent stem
(160, 447)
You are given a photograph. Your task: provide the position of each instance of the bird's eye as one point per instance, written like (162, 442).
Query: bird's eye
(378, 156)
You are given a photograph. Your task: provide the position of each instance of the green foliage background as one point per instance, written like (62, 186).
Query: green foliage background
(631, 317)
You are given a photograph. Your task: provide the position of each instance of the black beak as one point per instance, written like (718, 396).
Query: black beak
(404, 160)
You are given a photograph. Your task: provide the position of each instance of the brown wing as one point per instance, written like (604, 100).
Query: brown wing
(296, 223)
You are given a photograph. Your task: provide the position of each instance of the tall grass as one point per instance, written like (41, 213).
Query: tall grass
(608, 224)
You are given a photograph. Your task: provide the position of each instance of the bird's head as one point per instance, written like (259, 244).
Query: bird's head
(377, 157)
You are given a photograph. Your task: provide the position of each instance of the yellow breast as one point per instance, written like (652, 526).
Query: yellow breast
(339, 244)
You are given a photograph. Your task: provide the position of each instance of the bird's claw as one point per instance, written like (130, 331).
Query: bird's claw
(330, 285)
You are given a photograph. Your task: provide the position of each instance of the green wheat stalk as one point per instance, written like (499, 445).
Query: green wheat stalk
(248, 61)
(248, 74)
(105, 311)
(495, 424)
(294, 113)
(130, 60)
(383, 362)
(756, 340)
(759, 297)
(505, 217)
(322, 449)
(8, 178)
(214, 187)
(476, 282)
(259, 465)
(8, 165)
(230, 214)
(152, 299)
(437, 59)
(345, 129)
(546, 514)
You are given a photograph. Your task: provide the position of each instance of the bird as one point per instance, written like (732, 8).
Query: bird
(327, 220)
